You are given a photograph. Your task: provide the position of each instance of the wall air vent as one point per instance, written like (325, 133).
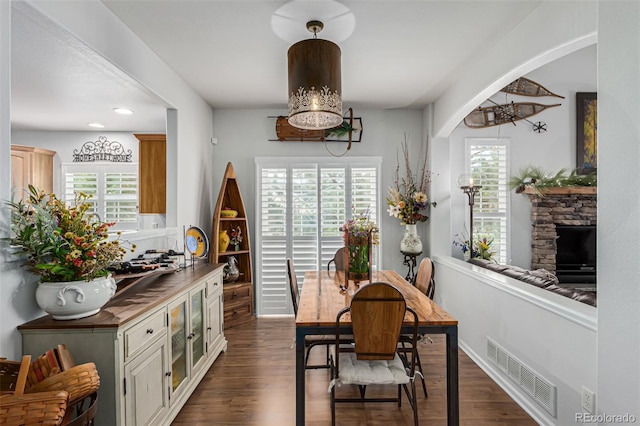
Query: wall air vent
(536, 386)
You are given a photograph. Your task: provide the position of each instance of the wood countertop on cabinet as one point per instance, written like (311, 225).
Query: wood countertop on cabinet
(135, 300)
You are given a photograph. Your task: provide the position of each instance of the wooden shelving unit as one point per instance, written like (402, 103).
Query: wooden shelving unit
(238, 296)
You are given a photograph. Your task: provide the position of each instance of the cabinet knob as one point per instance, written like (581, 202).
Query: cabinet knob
(190, 336)
(208, 328)
(168, 373)
(215, 284)
(149, 330)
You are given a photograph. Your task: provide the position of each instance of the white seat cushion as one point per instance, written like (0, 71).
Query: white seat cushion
(357, 372)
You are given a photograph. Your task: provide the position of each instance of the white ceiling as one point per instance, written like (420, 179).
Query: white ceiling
(401, 54)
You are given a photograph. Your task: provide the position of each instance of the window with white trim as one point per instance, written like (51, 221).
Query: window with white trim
(113, 187)
(489, 159)
(300, 206)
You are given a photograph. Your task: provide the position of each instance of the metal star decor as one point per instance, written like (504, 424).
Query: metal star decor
(539, 127)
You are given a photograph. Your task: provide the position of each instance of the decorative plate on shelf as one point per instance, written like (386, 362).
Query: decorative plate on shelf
(196, 242)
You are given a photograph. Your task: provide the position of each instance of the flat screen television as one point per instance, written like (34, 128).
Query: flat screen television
(576, 248)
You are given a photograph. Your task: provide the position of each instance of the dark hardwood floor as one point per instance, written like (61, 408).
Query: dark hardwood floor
(253, 383)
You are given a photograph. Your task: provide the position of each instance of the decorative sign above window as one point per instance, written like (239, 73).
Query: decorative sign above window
(102, 150)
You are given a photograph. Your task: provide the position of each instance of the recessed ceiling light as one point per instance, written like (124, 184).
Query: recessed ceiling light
(123, 111)
(97, 125)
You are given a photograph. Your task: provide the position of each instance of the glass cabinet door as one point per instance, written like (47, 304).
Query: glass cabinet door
(197, 337)
(178, 344)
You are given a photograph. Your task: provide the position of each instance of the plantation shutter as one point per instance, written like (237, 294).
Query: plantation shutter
(114, 191)
(121, 198)
(301, 206)
(271, 236)
(333, 212)
(82, 183)
(488, 158)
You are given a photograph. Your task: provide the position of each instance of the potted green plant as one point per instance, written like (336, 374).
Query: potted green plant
(70, 252)
(360, 233)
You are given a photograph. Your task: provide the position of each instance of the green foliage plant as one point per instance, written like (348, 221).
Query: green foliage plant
(538, 179)
(62, 242)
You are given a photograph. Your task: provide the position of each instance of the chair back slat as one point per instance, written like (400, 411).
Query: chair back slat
(293, 285)
(339, 260)
(377, 313)
(424, 278)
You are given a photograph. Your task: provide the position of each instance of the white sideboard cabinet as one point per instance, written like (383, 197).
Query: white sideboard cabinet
(152, 343)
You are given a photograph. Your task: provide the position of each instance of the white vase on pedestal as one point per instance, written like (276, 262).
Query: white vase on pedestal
(411, 241)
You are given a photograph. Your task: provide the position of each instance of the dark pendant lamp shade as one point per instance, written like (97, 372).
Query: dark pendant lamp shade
(315, 85)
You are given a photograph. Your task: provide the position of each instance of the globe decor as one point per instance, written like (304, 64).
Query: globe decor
(360, 234)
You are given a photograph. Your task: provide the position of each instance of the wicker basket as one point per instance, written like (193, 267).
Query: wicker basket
(42, 408)
(80, 381)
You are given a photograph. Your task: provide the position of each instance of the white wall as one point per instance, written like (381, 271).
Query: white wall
(188, 140)
(552, 151)
(550, 334)
(567, 27)
(618, 209)
(244, 134)
(617, 346)
(64, 143)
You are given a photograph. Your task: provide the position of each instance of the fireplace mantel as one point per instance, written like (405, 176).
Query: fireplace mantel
(564, 190)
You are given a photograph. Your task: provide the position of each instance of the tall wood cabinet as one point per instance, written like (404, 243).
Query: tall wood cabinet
(31, 165)
(152, 173)
(238, 295)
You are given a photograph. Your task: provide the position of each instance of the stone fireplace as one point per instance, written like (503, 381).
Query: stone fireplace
(574, 206)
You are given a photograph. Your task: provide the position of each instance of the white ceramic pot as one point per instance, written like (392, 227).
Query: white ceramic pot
(75, 299)
(411, 241)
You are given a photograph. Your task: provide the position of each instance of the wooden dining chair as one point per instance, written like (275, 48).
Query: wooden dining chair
(426, 284)
(310, 341)
(425, 278)
(338, 260)
(377, 314)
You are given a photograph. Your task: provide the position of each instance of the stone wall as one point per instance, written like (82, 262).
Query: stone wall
(557, 206)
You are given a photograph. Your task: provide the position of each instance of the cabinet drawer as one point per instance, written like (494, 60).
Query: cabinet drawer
(214, 285)
(236, 293)
(237, 313)
(137, 337)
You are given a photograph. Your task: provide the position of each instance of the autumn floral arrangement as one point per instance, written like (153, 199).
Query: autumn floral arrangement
(61, 241)
(235, 237)
(408, 200)
(360, 227)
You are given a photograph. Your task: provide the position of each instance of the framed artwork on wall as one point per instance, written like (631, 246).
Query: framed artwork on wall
(586, 132)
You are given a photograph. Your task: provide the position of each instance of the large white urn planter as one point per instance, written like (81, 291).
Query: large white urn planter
(75, 299)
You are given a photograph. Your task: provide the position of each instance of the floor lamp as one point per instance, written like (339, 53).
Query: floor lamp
(467, 185)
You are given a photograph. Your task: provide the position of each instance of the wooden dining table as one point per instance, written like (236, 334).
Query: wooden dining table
(323, 295)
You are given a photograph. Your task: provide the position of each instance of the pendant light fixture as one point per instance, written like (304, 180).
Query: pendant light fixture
(315, 82)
